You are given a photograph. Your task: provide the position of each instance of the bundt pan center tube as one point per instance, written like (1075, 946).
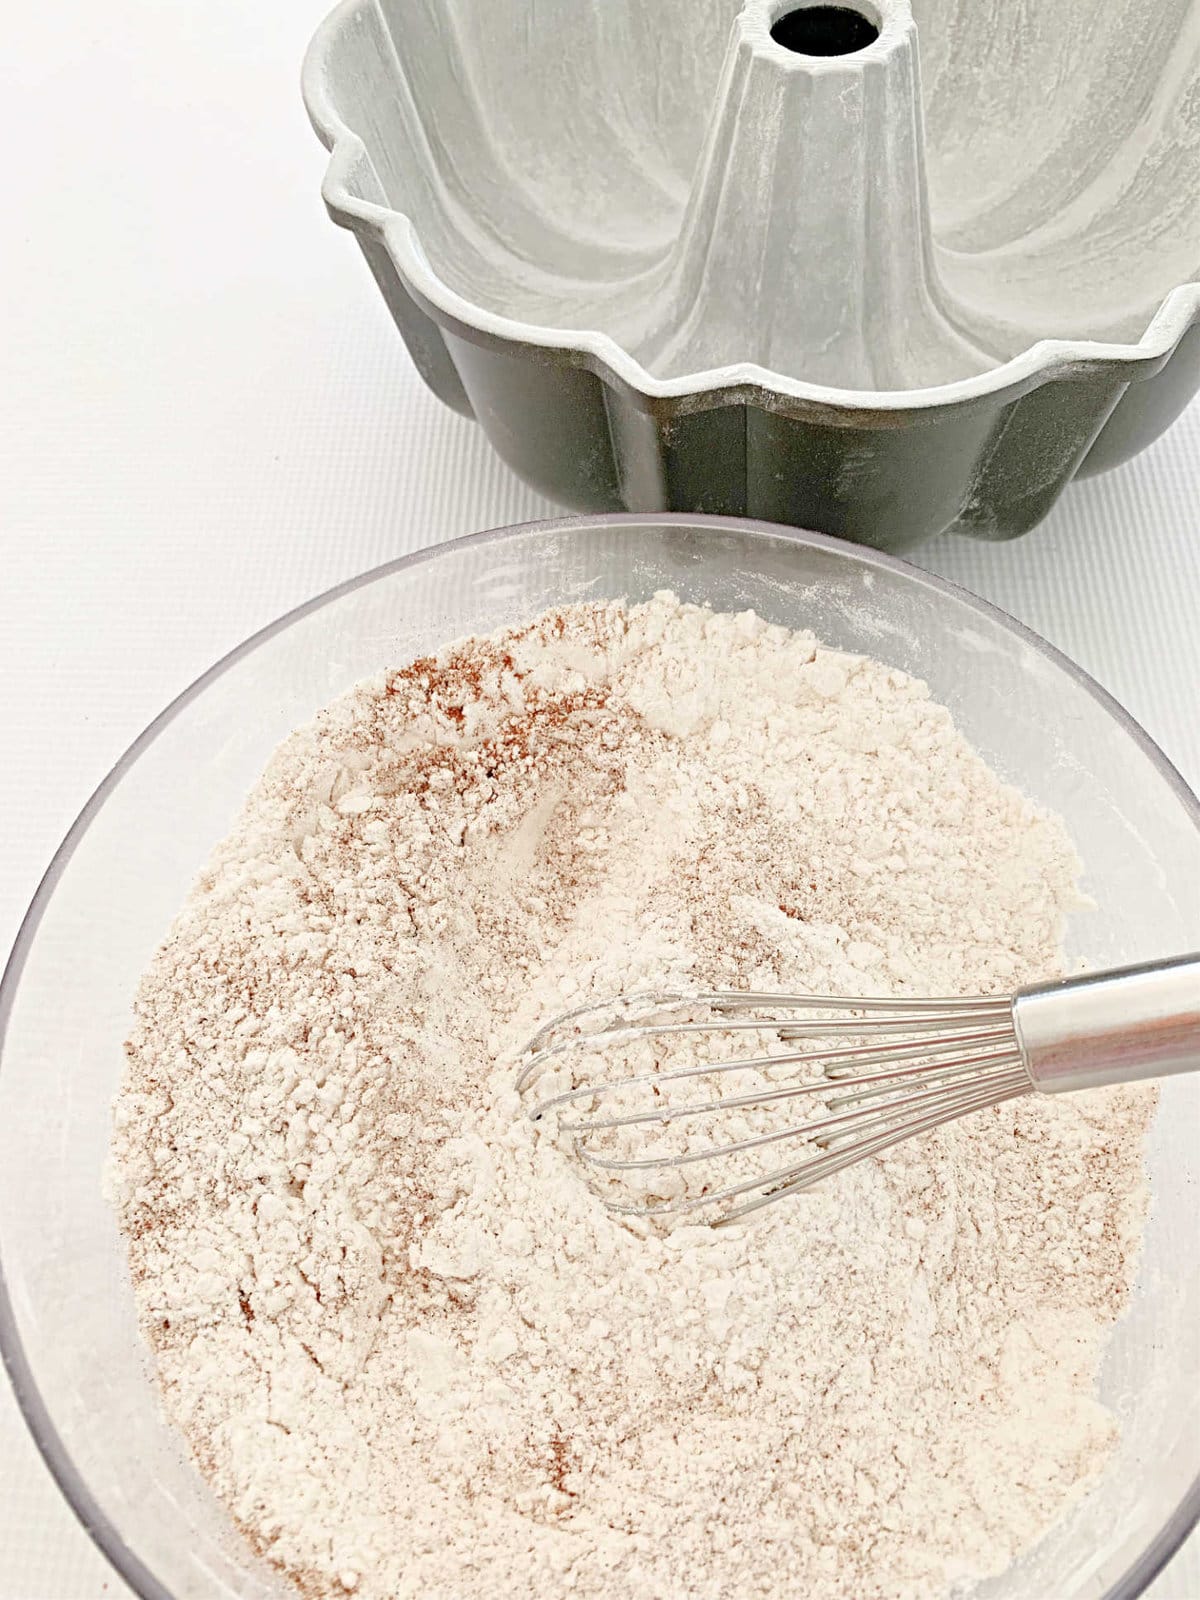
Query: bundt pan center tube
(878, 269)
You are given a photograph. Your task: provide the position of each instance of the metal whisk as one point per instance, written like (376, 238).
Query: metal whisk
(833, 1080)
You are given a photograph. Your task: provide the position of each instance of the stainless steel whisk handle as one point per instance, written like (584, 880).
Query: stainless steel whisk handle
(1111, 1027)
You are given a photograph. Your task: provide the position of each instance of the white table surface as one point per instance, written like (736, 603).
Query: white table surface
(206, 417)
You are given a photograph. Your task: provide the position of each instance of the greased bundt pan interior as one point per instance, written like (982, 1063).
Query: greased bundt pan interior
(790, 260)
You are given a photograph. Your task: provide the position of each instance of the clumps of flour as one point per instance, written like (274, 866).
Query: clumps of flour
(409, 1350)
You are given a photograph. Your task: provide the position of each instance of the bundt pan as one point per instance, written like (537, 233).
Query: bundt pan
(755, 257)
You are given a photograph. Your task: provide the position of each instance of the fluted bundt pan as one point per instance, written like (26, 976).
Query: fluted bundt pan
(877, 271)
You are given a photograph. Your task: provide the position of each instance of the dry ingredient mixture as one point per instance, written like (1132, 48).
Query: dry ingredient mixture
(407, 1347)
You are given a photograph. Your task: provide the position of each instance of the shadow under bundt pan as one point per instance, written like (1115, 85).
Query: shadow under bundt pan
(878, 269)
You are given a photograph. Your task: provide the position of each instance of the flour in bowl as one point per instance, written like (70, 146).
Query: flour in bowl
(408, 1349)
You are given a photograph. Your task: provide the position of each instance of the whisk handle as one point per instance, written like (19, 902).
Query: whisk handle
(1111, 1027)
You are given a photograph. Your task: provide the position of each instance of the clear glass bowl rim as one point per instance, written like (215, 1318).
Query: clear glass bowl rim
(1183, 1517)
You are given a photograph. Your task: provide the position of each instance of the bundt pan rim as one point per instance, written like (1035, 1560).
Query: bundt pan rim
(737, 383)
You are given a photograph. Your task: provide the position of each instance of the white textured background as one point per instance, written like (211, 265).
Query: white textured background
(206, 417)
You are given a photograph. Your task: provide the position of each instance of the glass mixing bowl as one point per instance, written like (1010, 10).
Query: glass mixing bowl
(66, 1313)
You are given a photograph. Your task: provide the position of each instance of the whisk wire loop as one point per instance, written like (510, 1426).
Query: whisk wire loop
(872, 1071)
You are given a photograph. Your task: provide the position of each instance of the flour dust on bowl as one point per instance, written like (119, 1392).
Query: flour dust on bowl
(879, 269)
(329, 1290)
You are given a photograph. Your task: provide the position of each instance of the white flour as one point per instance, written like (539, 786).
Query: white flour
(408, 1348)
